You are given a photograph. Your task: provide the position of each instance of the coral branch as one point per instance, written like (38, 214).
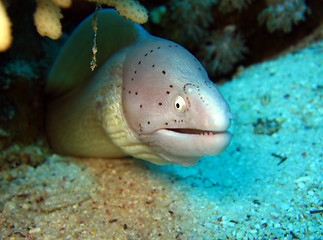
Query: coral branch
(128, 8)
(5, 26)
(281, 14)
(47, 19)
(228, 6)
(222, 50)
(192, 16)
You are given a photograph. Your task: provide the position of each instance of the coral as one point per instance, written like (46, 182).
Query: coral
(193, 24)
(281, 14)
(48, 14)
(63, 3)
(5, 26)
(222, 50)
(218, 50)
(47, 19)
(192, 16)
(128, 8)
(227, 6)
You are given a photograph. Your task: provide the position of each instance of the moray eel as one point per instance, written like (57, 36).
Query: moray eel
(149, 98)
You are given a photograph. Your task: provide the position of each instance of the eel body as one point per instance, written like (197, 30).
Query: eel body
(149, 98)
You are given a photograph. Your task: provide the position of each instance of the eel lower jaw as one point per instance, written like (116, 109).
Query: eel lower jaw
(186, 146)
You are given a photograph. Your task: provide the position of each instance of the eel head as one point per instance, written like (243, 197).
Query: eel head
(170, 103)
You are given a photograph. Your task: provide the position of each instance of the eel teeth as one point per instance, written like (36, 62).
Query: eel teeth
(207, 133)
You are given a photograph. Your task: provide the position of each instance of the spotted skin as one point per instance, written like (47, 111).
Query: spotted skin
(165, 87)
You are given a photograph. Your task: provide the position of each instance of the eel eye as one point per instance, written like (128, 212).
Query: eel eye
(179, 104)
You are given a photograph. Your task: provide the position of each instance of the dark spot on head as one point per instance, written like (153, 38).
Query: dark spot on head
(140, 105)
(160, 104)
(129, 92)
(131, 79)
(164, 72)
(158, 48)
(189, 103)
(146, 54)
(175, 120)
(168, 92)
(169, 45)
(171, 86)
(136, 93)
(148, 122)
(139, 62)
(135, 72)
(177, 106)
(153, 65)
(166, 123)
(151, 50)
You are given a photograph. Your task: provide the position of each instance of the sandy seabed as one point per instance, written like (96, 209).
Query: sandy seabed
(267, 185)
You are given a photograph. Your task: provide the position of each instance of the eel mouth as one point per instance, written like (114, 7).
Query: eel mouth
(186, 146)
(187, 142)
(194, 131)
